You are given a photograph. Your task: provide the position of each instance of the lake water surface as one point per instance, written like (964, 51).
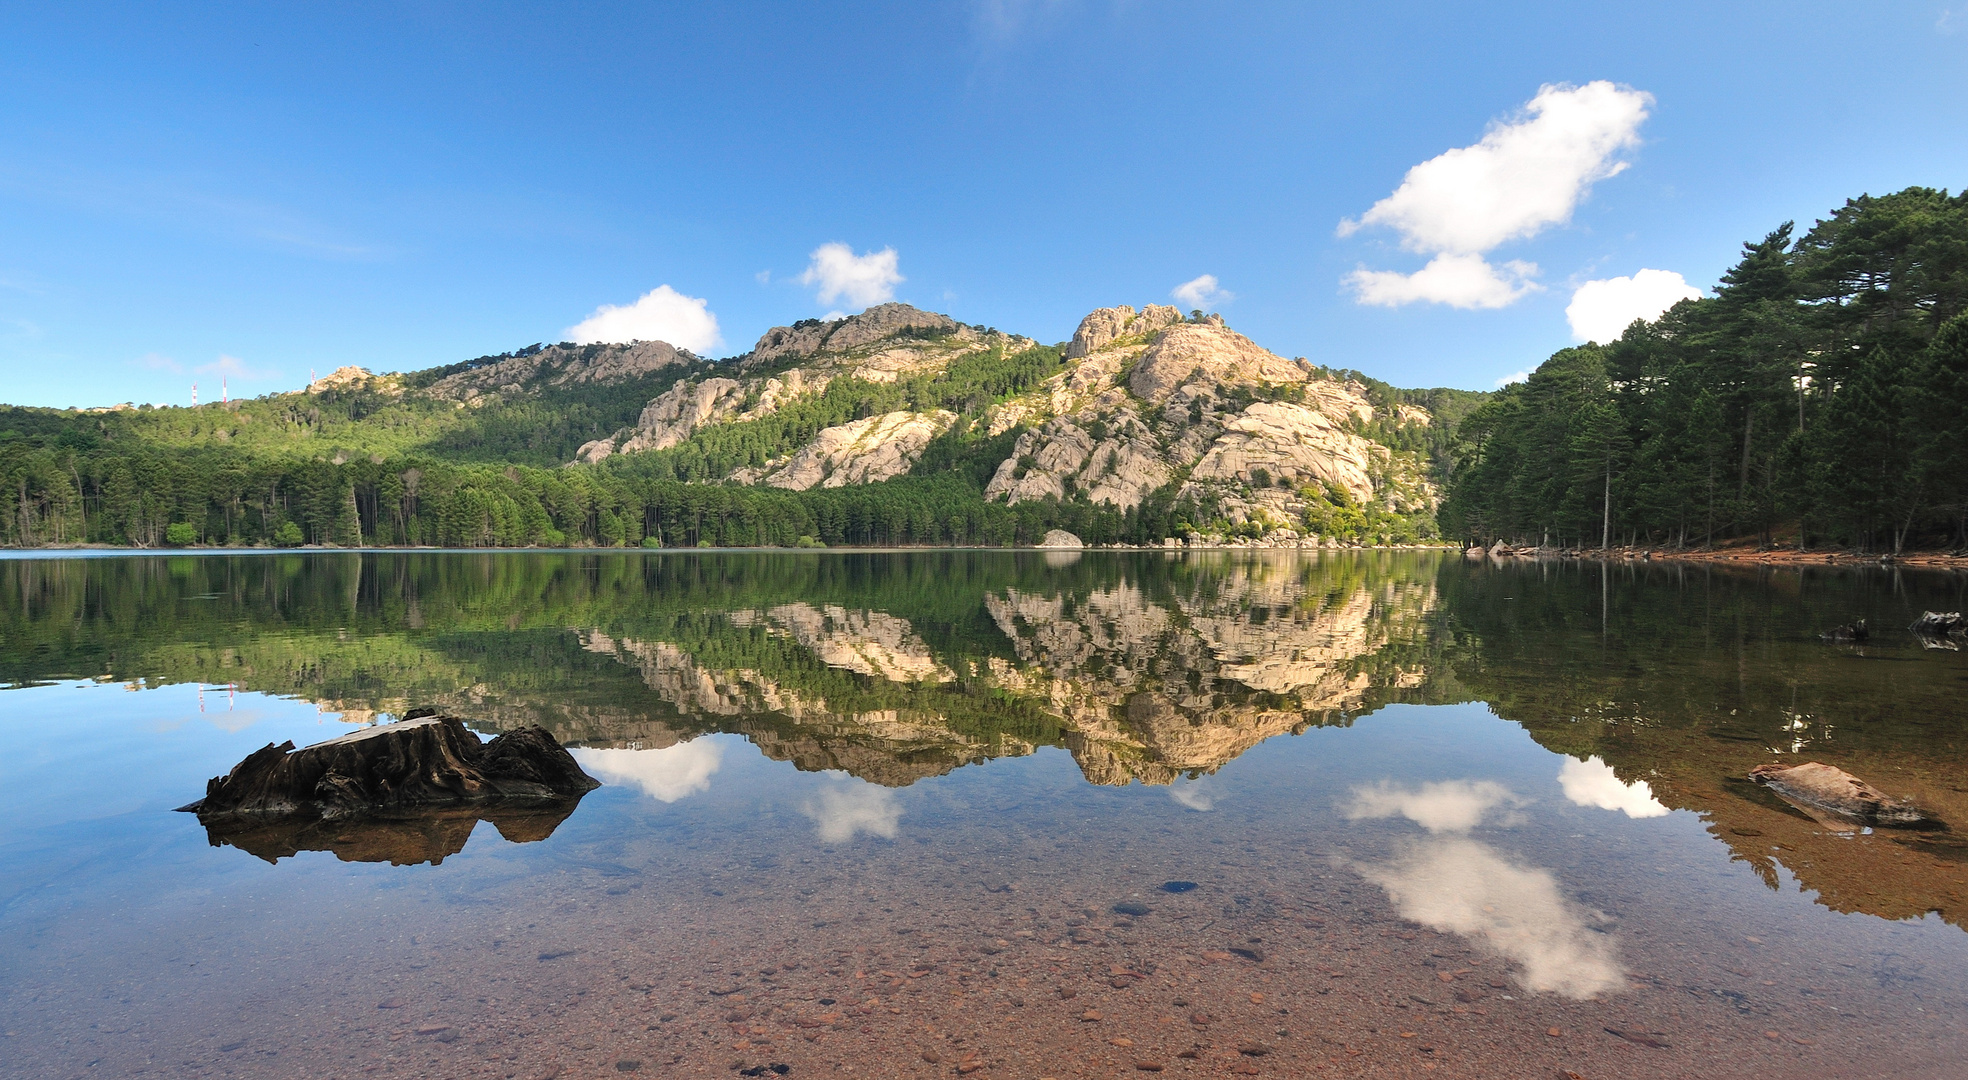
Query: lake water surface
(992, 814)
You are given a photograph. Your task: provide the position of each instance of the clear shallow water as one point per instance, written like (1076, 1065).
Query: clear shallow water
(861, 809)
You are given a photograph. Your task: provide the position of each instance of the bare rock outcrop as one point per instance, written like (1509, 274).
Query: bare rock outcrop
(1102, 327)
(1290, 443)
(677, 413)
(812, 336)
(1063, 458)
(861, 452)
(1211, 355)
(557, 365)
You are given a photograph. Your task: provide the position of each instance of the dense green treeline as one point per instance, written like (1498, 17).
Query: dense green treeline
(1820, 396)
(160, 478)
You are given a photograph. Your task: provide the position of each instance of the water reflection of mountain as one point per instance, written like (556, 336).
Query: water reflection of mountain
(1136, 684)
(1146, 666)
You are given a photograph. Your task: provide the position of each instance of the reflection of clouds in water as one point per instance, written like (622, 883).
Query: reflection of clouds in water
(1592, 782)
(1444, 806)
(1194, 794)
(851, 806)
(665, 775)
(1464, 887)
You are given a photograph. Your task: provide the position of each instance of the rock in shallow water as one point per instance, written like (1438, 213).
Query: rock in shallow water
(424, 761)
(1827, 787)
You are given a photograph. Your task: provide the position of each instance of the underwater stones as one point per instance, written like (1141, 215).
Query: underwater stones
(1826, 787)
(426, 761)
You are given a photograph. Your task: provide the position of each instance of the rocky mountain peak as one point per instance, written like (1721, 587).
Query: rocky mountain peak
(1103, 326)
(564, 364)
(810, 336)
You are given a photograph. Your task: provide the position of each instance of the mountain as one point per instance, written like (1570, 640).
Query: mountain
(895, 425)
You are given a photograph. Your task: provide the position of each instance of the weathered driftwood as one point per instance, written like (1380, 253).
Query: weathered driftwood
(1828, 788)
(426, 761)
(1851, 631)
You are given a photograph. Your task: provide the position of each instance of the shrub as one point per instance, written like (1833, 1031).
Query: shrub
(288, 535)
(181, 534)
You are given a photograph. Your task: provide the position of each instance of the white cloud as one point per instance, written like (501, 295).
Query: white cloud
(160, 362)
(1460, 281)
(1521, 178)
(665, 775)
(1194, 794)
(1592, 782)
(1513, 377)
(1444, 806)
(661, 314)
(865, 280)
(1602, 310)
(853, 806)
(1202, 292)
(1460, 886)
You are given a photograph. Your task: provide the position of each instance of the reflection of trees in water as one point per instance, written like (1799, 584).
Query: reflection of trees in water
(1147, 666)
(1683, 678)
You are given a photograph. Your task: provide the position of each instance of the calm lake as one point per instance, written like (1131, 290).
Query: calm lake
(1002, 814)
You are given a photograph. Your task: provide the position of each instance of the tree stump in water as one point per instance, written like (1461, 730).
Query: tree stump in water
(424, 761)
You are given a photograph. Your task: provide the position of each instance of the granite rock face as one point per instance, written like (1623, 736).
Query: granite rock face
(1292, 444)
(1154, 397)
(558, 365)
(862, 452)
(813, 336)
(422, 762)
(1100, 328)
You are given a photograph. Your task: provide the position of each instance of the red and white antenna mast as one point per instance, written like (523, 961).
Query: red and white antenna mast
(225, 398)
(194, 395)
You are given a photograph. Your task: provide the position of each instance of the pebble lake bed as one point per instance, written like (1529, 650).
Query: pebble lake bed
(966, 813)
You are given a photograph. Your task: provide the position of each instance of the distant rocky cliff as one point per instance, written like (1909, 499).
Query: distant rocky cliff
(1144, 401)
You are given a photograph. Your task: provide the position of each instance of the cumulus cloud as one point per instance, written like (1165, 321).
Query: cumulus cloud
(865, 279)
(1460, 886)
(841, 810)
(1444, 806)
(1202, 292)
(1513, 377)
(1193, 794)
(661, 314)
(665, 775)
(1602, 310)
(1592, 782)
(1460, 281)
(1521, 178)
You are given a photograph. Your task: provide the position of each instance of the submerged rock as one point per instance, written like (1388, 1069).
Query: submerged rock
(1826, 787)
(1851, 631)
(425, 761)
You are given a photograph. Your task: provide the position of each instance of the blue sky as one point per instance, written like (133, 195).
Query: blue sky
(256, 191)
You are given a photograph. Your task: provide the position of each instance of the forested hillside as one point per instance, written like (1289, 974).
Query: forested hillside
(894, 426)
(1819, 397)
